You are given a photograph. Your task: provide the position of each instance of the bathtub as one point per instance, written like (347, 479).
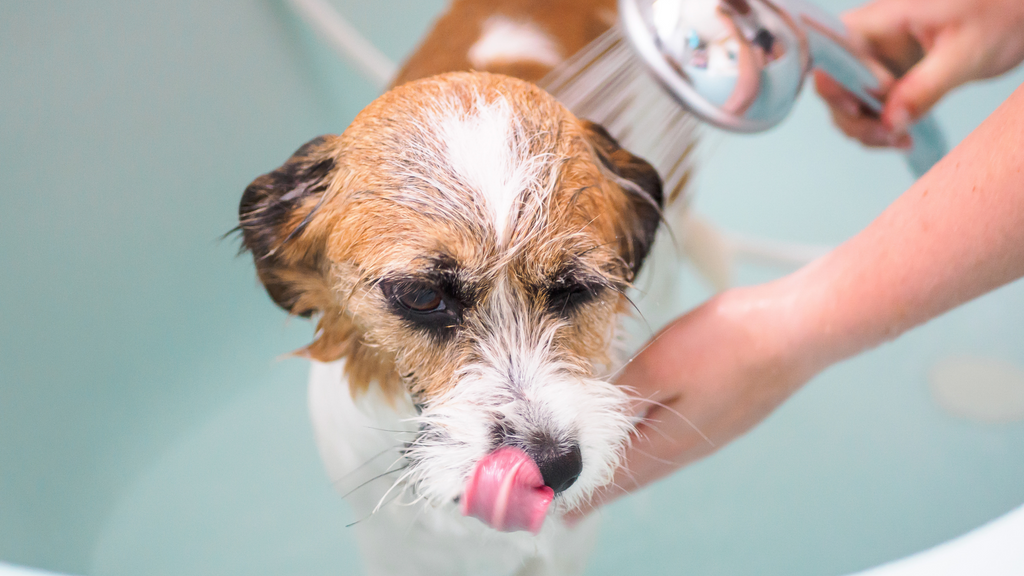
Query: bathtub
(147, 426)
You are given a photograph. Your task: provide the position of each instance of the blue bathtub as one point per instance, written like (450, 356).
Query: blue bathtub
(148, 428)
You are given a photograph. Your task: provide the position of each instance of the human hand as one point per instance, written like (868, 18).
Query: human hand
(707, 378)
(932, 46)
(713, 374)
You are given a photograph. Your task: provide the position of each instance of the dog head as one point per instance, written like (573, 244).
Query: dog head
(465, 245)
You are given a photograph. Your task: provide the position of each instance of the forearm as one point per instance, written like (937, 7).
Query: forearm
(955, 234)
(720, 369)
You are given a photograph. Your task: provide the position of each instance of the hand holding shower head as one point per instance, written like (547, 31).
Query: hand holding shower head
(740, 64)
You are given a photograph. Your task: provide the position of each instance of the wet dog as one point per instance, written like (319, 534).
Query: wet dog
(465, 246)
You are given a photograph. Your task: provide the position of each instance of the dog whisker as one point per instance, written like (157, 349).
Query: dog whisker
(393, 486)
(651, 423)
(655, 458)
(413, 503)
(634, 357)
(382, 503)
(679, 415)
(364, 464)
(636, 309)
(377, 477)
(391, 431)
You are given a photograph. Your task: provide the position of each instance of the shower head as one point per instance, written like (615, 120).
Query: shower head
(740, 64)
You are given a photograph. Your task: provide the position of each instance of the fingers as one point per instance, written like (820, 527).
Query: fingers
(945, 67)
(855, 120)
(883, 29)
(661, 444)
(932, 48)
(910, 97)
(876, 19)
(706, 378)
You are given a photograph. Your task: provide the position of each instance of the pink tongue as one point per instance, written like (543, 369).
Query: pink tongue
(507, 492)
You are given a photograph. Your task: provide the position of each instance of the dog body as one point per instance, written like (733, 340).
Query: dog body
(465, 245)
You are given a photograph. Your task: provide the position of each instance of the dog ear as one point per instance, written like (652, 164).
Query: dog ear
(275, 212)
(642, 185)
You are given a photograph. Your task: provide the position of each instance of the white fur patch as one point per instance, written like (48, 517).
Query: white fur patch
(505, 40)
(362, 456)
(489, 152)
(521, 382)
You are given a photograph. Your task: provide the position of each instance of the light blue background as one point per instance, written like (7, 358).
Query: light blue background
(147, 428)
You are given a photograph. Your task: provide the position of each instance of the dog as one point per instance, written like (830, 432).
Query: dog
(465, 246)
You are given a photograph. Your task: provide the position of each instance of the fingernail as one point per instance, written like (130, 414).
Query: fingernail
(903, 142)
(900, 120)
(880, 136)
(897, 139)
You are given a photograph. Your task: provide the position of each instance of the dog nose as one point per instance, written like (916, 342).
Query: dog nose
(560, 468)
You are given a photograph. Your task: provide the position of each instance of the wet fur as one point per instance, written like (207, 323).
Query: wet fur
(530, 222)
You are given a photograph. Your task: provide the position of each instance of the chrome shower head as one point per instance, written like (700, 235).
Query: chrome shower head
(740, 64)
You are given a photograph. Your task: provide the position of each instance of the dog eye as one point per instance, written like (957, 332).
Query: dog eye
(563, 299)
(420, 299)
(423, 305)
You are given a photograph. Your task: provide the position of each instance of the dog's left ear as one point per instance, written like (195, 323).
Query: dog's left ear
(642, 185)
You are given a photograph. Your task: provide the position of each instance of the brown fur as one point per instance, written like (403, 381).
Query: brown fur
(330, 251)
(571, 23)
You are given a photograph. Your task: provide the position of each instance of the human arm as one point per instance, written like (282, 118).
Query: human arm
(932, 46)
(713, 374)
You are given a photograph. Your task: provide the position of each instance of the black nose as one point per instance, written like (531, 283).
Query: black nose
(560, 467)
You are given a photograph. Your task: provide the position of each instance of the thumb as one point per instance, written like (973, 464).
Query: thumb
(943, 68)
(883, 30)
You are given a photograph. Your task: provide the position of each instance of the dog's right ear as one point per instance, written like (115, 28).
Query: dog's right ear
(274, 217)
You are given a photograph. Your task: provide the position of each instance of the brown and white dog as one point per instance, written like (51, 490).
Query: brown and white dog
(465, 245)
